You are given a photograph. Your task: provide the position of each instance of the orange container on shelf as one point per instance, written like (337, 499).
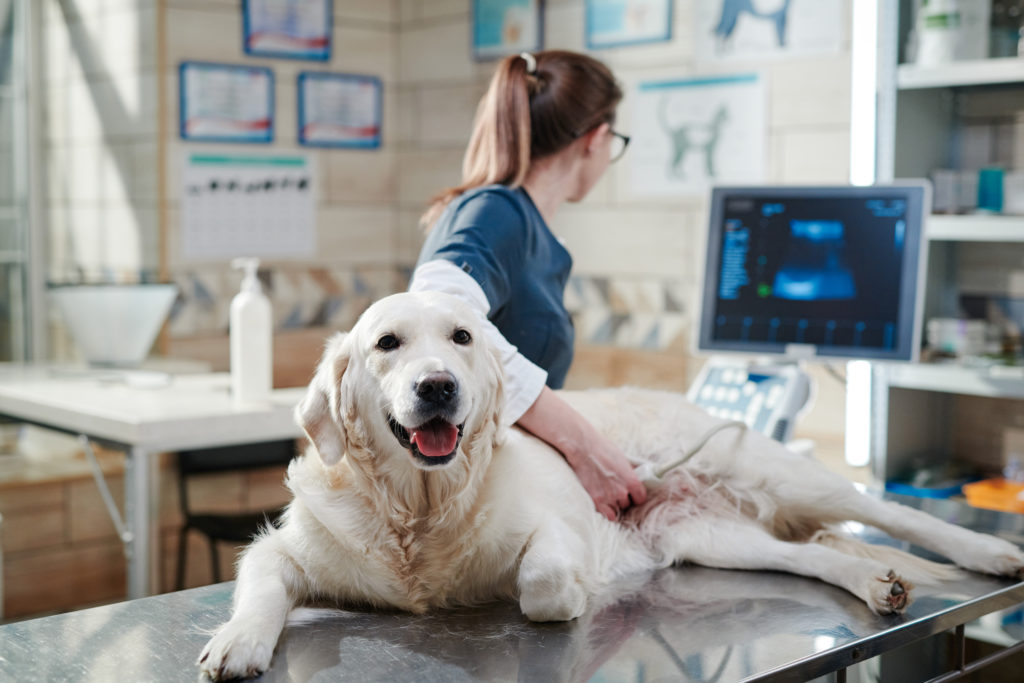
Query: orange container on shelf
(996, 494)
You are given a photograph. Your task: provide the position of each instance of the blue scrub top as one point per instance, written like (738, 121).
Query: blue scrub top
(497, 235)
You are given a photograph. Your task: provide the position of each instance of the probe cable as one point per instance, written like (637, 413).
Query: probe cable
(649, 474)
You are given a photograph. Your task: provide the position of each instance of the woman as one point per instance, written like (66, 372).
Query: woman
(543, 136)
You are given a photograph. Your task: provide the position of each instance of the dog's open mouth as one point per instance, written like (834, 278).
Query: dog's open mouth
(434, 442)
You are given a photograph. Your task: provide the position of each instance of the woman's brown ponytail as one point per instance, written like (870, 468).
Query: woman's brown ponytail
(527, 116)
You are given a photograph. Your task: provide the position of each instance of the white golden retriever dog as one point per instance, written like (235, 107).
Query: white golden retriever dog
(418, 498)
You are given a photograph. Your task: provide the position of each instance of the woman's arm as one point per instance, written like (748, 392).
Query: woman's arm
(603, 470)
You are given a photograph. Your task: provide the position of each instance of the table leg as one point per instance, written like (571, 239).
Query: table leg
(141, 517)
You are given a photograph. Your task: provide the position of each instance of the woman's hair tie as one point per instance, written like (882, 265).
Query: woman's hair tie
(531, 62)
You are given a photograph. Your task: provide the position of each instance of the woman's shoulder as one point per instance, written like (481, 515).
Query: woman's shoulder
(494, 196)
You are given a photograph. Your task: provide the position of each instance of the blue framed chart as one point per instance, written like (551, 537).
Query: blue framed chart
(225, 102)
(615, 23)
(339, 110)
(293, 29)
(504, 27)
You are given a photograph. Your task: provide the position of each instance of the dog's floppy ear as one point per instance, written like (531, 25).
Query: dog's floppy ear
(315, 414)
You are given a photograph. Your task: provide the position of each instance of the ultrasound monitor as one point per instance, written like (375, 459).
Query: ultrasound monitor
(815, 271)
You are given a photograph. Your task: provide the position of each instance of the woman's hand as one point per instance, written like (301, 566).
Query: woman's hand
(603, 470)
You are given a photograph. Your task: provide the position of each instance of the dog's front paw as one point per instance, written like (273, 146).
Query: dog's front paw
(569, 603)
(552, 596)
(889, 594)
(236, 652)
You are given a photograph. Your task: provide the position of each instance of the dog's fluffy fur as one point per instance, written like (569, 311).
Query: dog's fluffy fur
(376, 522)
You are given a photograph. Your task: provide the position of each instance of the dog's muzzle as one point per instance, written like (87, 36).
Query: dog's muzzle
(434, 443)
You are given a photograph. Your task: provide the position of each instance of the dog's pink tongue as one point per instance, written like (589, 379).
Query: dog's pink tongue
(435, 439)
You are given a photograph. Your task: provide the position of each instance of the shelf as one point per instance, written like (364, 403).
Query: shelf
(975, 228)
(960, 74)
(997, 381)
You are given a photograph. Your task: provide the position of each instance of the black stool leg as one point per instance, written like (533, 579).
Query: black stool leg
(179, 574)
(214, 561)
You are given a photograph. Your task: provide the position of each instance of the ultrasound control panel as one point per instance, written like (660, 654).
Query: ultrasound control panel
(766, 397)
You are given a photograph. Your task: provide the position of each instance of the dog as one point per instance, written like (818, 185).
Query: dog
(415, 495)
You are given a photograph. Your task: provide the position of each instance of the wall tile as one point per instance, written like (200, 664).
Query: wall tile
(87, 515)
(409, 236)
(405, 108)
(439, 52)
(364, 51)
(199, 34)
(355, 235)
(40, 581)
(434, 9)
(813, 155)
(652, 243)
(424, 173)
(365, 10)
(810, 92)
(39, 528)
(359, 176)
(445, 114)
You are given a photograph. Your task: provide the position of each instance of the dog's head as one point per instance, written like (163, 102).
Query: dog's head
(414, 375)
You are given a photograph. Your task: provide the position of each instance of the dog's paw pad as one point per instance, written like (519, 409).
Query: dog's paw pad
(890, 594)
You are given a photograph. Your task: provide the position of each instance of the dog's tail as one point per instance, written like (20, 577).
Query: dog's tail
(913, 568)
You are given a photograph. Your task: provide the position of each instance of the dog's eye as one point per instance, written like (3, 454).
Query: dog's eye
(388, 342)
(461, 337)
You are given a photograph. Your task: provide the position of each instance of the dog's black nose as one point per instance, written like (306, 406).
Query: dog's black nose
(437, 387)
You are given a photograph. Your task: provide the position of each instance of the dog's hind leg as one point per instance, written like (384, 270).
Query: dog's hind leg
(550, 586)
(244, 645)
(969, 549)
(736, 544)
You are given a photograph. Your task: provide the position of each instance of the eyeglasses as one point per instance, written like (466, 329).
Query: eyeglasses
(619, 144)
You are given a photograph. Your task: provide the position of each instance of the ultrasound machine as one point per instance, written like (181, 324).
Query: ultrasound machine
(798, 274)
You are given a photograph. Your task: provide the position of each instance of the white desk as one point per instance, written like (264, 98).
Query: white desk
(192, 411)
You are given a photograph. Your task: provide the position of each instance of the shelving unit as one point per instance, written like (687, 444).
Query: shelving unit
(975, 228)
(961, 74)
(997, 381)
(911, 416)
(924, 115)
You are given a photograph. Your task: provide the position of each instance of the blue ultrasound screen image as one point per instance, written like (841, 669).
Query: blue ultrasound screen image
(822, 271)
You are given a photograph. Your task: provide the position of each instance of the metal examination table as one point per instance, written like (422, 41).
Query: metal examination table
(688, 624)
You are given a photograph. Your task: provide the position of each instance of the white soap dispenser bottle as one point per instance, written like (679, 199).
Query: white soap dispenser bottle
(251, 332)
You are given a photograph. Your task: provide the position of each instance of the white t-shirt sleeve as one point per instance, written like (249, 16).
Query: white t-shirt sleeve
(523, 379)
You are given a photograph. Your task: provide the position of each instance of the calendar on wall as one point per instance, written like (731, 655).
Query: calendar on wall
(248, 205)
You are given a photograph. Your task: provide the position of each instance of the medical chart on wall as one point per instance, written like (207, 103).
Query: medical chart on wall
(295, 29)
(694, 132)
(616, 23)
(225, 102)
(504, 27)
(247, 205)
(339, 110)
(747, 30)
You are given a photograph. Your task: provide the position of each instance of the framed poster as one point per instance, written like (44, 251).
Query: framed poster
(293, 29)
(225, 102)
(692, 133)
(339, 110)
(741, 30)
(504, 27)
(616, 23)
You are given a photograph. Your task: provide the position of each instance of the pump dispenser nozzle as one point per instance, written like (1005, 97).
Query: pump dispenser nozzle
(251, 266)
